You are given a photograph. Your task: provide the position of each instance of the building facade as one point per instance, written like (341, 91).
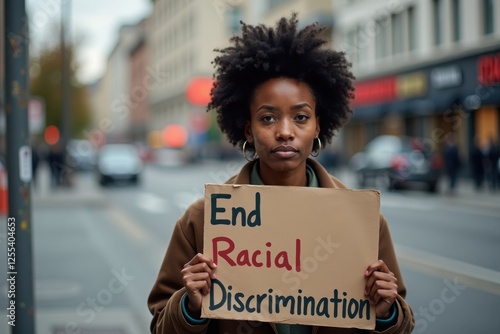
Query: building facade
(182, 36)
(113, 102)
(424, 68)
(140, 86)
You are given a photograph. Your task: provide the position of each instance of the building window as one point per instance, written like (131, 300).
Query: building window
(412, 29)
(488, 14)
(381, 37)
(362, 45)
(353, 48)
(455, 16)
(397, 33)
(436, 15)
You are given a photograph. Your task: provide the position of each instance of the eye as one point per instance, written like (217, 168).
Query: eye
(267, 118)
(302, 117)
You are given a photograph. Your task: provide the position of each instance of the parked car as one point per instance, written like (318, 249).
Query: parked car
(393, 162)
(119, 162)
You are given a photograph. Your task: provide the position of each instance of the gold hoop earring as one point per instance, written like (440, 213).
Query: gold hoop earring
(319, 148)
(245, 153)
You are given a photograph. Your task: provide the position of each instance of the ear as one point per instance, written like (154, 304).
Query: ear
(248, 132)
(317, 127)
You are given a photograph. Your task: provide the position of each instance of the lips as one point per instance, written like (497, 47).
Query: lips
(284, 151)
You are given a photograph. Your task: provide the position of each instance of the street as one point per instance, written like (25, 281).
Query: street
(97, 251)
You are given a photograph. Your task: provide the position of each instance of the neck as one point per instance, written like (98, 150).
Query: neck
(296, 177)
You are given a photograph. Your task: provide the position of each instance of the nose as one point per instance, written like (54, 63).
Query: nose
(284, 130)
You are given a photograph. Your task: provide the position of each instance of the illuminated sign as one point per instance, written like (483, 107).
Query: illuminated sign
(411, 85)
(446, 77)
(489, 69)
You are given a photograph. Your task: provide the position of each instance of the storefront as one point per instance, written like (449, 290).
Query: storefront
(460, 96)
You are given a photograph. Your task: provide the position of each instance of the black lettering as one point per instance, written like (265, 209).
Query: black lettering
(215, 210)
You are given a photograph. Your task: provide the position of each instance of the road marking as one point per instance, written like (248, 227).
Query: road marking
(481, 278)
(183, 199)
(152, 203)
(401, 205)
(119, 218)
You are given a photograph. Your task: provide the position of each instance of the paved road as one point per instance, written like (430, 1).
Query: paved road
(97, 251)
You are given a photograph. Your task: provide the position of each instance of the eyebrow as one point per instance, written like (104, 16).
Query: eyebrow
(300, 106)
(296, 107)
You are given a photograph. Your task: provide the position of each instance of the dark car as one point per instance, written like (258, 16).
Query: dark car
(119, 162)
(394, 162)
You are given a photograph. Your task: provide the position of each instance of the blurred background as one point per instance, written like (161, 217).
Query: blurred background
(122, 144)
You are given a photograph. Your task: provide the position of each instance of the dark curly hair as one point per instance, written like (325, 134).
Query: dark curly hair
(262, 53)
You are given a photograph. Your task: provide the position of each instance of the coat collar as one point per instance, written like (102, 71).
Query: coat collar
(324, 179)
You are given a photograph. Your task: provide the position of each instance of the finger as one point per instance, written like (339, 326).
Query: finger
(384, 295)
(197, 288)
(378, 276)
(376, 266)
(201, 267)
(203, 277)
(382, 288)
(202, 258)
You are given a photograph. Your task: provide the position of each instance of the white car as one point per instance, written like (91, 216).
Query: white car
(117, 163)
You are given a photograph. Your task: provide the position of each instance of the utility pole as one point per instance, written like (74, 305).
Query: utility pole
(66, 87)
(20, 308)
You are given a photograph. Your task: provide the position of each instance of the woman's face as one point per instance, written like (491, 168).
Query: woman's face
(283, 126)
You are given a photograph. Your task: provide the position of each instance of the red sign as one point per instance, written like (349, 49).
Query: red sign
(375, 91)
(489, 69)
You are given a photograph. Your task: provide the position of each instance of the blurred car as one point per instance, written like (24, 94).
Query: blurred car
(81, 154)
(119, 162)
(394, 162)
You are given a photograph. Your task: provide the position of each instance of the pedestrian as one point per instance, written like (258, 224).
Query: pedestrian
(279, 95)
(476, 161)
(452, 163)
(492, 156)
(55, 160)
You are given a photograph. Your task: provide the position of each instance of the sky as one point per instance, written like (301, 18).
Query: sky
(97, 21)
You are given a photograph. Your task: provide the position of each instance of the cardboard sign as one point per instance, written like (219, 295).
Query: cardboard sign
(292, 255)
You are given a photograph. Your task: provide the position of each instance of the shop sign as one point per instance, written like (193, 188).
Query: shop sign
(411, 85)
(489, 69)
(446, 77)
(375, 91)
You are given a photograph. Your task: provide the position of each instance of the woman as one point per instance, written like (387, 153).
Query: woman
(278, 96)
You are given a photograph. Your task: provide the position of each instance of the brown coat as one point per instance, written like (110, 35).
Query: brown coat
(187, 241)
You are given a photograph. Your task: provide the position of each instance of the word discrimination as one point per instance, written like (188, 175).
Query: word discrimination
(338, 305)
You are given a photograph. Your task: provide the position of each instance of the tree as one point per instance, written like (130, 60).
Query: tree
(45, 81)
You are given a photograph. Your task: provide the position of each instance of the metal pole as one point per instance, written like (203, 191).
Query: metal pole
(66, 87)
(20, 309)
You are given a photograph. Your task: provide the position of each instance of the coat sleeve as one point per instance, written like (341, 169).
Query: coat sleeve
(405, 321)
(164, 300)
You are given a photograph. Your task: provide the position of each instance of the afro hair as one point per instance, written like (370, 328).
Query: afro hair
(262, 53)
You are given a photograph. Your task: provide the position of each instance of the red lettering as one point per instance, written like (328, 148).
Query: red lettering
(268, 256)
(243, 258)
(223, 253)
(489, 69)
(254, 259)
(224, 249)
(283, 256)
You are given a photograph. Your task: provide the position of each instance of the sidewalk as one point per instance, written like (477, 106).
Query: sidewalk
(84, 192)
(465, 193)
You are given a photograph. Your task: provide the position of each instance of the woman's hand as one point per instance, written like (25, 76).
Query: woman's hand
(381, 287)
(197, 275)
